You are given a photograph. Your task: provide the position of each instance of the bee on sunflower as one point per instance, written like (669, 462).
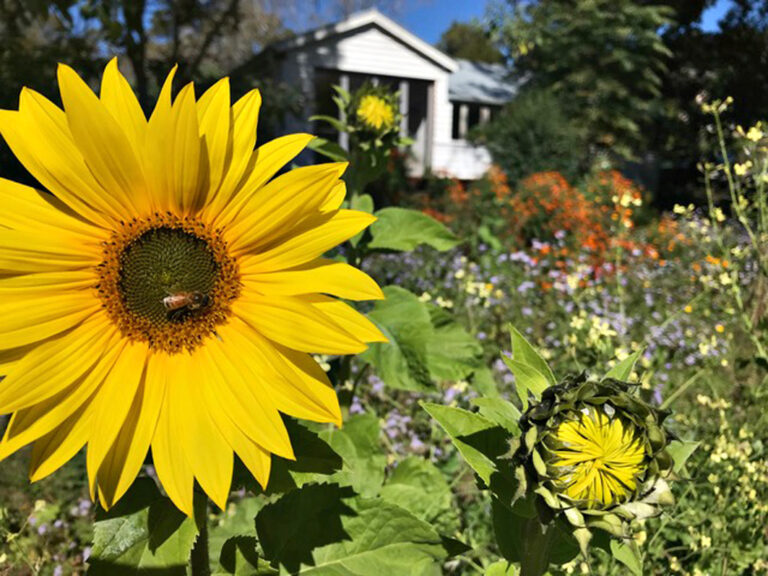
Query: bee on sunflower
(167, 289)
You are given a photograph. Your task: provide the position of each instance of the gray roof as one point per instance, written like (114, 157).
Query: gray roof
(481, 82)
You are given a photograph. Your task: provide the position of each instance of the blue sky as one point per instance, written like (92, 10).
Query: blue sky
(429, 18)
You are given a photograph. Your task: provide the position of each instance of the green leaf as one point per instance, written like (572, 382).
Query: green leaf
(239, 557)
(477, 439)
(421, 488)
(328, 149)
(403, 229)
(527, 379)
(452, 353)
(315, 461)
(485, 383)
(363, 203)
(534, 545)
(680, 451)
(322, 530)
(334, 122)
(623, 370)
(498, 410)
(402, 362)
(143, 532)
(238, 520)
(359, 446)
(501, 568)
(523, 352)
(629, 555)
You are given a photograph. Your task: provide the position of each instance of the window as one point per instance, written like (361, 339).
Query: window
(467, 115)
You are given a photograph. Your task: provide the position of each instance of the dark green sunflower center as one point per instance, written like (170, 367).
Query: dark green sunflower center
(163, 263)
(168, 281)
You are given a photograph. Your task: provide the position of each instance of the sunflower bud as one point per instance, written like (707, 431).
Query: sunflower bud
(595, 454)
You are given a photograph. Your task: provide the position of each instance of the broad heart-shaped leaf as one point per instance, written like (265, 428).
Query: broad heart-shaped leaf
(240, 557)
(629, 555)
(403, 229)
(143, 533)
(325, 530)
(315, 461)
(238, 520)
(359, 446)
(498, 410)
(452, 353)
(402, 362)
(421, 488)
(477, 439)
(623, 370)
(681, 450)
(523, 352)
(527, 379)
(527, 541)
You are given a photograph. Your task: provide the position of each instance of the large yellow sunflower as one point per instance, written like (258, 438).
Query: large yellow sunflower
(169, 290)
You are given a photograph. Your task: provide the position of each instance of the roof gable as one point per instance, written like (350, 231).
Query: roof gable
(362, 20)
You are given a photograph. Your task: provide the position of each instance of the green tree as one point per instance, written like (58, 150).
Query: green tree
(470, 41)
(604, 58)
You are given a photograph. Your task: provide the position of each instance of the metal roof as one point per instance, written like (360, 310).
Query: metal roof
(481, 82)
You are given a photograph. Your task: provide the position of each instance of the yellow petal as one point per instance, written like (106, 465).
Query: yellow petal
(37, 318)
(118, 98)
(171, 465)
(26, 209)
(319, 276)
(206, 450)
(246, 399)
(113, 404)
(46, 282)
(126, 456)
(244, 120)
(335, 198)
(347, 317)
(214, 118)
(256, 459)
(310, 239)
(278, 206)
(103, 144)
(56, 448)
(189, 180)
(39, 137)
(31, 423)
(293, 380)
(263, 164)
(296, 324)
(159, 148)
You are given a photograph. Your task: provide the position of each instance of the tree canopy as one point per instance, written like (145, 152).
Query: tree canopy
(469, 40)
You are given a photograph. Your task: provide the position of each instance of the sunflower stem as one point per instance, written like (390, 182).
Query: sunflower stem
(199, 559)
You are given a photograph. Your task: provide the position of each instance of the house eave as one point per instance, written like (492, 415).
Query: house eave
(363, 19)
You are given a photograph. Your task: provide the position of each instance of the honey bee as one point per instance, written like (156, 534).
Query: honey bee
(179, 303)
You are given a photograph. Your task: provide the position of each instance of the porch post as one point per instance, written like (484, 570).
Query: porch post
(343, 136)
(463, 120)
(404, 99)
(430, 131)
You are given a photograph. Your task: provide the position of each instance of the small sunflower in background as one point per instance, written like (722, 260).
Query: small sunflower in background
(595, 454)
(166, 292)
(375, 112)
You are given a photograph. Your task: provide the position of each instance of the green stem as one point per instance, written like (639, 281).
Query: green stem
(200, 561)
(674, 396)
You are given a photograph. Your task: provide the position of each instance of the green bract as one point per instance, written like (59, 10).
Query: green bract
(616, 453)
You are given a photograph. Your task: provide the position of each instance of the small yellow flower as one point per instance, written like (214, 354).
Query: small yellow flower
(719, 215)
(742, 169)
(719, 328)
(688, 309)
(375, 112)
(755, 133)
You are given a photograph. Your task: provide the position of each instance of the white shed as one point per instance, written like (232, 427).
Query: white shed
(440, 97)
